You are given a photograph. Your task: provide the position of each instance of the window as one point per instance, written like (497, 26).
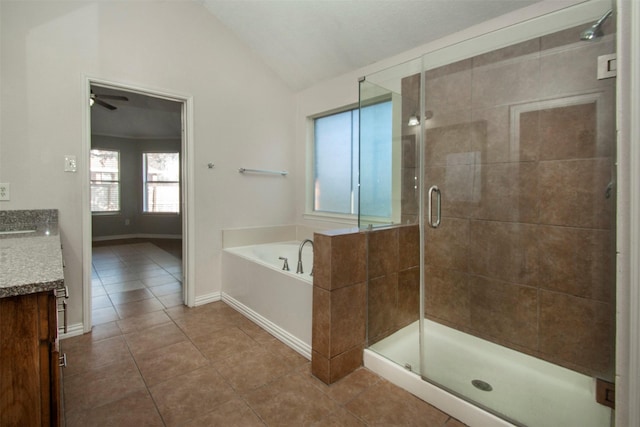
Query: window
(161, 176)
(338, 149)
(105, 180)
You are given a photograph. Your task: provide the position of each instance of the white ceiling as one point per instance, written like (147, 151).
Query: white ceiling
(308, 41)
(139, 117)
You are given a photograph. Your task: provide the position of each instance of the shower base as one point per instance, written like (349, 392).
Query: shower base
(526, 390)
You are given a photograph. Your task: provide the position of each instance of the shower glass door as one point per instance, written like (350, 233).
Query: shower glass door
(518, 242)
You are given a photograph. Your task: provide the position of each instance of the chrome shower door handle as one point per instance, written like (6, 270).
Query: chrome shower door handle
(434, 189)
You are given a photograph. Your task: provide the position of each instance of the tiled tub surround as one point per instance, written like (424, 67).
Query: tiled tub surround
(521, 144)
(340, 305)
(31, 260)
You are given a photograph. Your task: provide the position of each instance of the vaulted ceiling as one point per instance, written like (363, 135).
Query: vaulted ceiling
(308, 41)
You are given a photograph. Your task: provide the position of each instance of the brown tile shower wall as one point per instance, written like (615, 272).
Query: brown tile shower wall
(394, 280)
(523, 256)
(340, 305)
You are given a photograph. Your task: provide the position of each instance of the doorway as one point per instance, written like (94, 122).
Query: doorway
(136, 209)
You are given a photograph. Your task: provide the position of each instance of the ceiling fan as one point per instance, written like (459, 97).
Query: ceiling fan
(98, 99)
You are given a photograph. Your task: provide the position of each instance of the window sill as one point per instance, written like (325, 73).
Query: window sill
(115, 213)
(350, 220)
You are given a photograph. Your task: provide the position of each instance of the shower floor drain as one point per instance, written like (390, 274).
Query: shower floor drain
(482, 385)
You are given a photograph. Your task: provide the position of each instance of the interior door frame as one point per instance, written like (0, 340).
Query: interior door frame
(186, 184)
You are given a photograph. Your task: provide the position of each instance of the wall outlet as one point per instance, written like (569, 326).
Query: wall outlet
(4, 191)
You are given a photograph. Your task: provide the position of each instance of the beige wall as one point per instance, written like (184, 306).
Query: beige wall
(243, 114)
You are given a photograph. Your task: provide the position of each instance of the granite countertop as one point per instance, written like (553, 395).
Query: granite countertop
(30, 252)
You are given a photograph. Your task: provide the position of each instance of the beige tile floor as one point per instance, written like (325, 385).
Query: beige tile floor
(150, 361)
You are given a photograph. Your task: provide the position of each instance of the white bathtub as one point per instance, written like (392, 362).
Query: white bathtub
(254, 283)
(527, 389)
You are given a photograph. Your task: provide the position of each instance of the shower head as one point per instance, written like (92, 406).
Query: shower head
(594, 32)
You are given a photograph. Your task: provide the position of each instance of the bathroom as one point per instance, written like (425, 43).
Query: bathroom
(37, 84)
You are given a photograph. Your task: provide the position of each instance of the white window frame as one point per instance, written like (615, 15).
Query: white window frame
(352, 219)
(310, 213)
(145, 182)
(119, 182)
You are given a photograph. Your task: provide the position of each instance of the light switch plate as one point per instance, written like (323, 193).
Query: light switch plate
(70, 164)
(4, 191)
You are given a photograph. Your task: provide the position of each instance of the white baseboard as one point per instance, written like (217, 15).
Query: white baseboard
(73, 331)
(136, 236)
(206, 299)
(295, 343)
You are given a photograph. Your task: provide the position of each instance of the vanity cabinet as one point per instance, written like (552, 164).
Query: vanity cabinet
(29, 360)
(31, 281)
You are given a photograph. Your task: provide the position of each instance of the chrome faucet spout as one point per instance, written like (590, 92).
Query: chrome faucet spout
(299, 269)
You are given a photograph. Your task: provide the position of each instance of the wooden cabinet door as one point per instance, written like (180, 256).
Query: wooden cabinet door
(20, 400)
(29, 371)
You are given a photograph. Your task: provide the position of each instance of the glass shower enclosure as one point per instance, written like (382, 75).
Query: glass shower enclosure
(504, 159)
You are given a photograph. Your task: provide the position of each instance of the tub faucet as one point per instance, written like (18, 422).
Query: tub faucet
(299, 269)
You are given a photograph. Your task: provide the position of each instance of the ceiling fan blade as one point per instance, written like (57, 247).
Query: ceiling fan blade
(114, 97)
(104, 104)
